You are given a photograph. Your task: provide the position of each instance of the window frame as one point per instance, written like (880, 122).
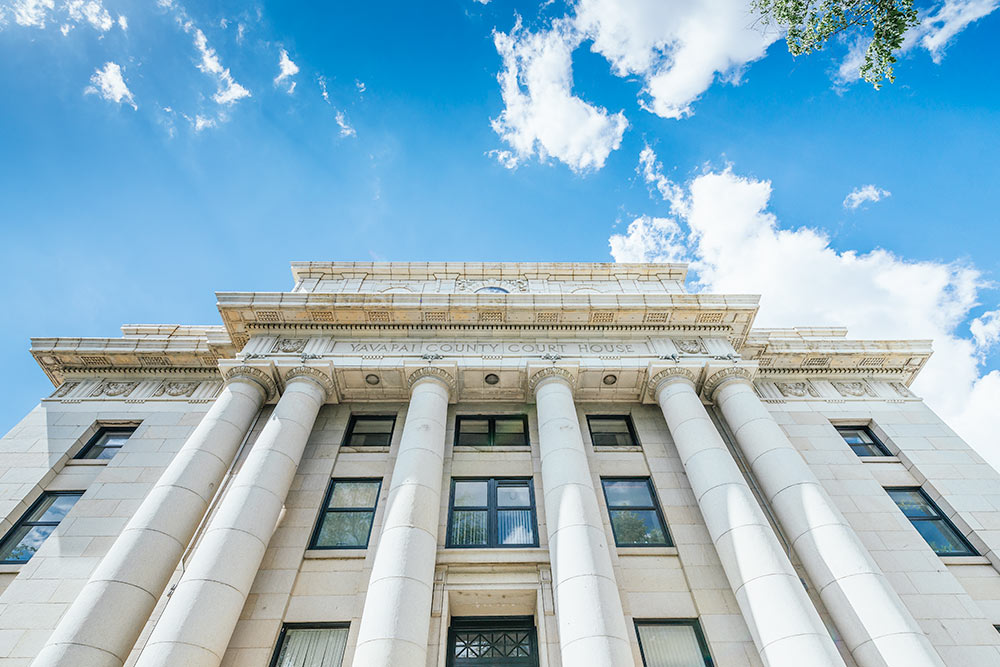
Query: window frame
(699, 634)
(21, 521)
(492, 529)
(628, 424)
(491, 437)
(355, 418)
(497, 623)
(866, 428)
(325, 509)
(100, 433)
(669, 540)
(285, 627)
(941, 517)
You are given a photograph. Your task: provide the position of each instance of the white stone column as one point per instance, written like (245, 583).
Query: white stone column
(783, 621)
(199, 619)
(592, 628)
(875, 624)
(396, 619)
(102, 625)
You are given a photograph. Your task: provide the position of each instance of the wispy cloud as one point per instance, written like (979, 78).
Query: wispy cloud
(866, 193)
(109, 84)
(346, 130)
(287, 69)
(39, 13)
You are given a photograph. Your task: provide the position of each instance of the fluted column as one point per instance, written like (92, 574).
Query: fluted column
(876, 626)
(785, 625)
(102, 625)
(592, 628)
(396, 619)
(199, 619)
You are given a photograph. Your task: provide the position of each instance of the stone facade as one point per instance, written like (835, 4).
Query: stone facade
(195, 542)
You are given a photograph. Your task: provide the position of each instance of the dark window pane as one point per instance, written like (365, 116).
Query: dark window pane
(106, 443)
(942, 538)
(628, 493)
(513, 496)
(354, 494)
(474, 432)
(867, 450)
(468, 528)
(610, 431)
(913, 503)
(345, 529)
(640, 527)
(53, 508)
(670, 645)
(115, 439)
(24, 542)
(515, 527)
(471, 494)
(855, 436)
(371, 432)
(312, 647)
(510, 431)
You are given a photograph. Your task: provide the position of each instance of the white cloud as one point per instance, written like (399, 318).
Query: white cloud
(229, 91)
(652, 172)
(938, 28)
(33, 12)
(345, 128)
(322, 87)
(109, 84)
(649, 239)
(287, 69)
(678, 47)
(866, 193)
(737, 246)
(91, 11)
(202, 122)
(542, 116)
(986, 329)
(122, 22)
(360, 85)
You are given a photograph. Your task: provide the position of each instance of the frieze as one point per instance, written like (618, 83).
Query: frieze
(901, 389)
(796, 389)
(519, 285)
(289, 345)
(690, 346)
(115, 389)
(176, 389)
(856, 389)
(65, 388)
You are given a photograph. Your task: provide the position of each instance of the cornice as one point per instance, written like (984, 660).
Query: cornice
(718, 378)
(439, 374)
(256, 375)
(551, 372)
(489, 270)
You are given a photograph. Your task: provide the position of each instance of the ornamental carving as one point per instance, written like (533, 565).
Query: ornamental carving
(718, 378)
(66, 388)
(670, 375)
(901, 389)
(255, 375)
(314, 374)
(519, 285)
(432, 372)
(545, 373)
(856, 389)
(690, 346)
(289, 345)
(796, 389)
(176, 389)
(114, 389)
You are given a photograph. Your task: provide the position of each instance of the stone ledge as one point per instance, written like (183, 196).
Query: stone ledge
(10, 568)
(87, 462)
(880, 459)
(323, 554)
(492, 556)
(965, 560)
(646, 551)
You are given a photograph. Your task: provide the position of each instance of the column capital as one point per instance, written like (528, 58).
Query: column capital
(538, 376)
(259, 376)
(716, 377)
(314, 374)
(439, 374)
(676, 373)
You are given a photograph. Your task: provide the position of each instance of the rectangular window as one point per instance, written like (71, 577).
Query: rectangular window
(612, 430)
(491, 430)
(370, 431)
(934, 526)
(320, 645)
(863, 441)
(492, 513)
(636, 519)
(106, 442)
(349, 510)
(489, 641)
(673, 643)
(41, 519)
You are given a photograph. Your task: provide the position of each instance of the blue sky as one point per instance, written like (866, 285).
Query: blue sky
(150, 160)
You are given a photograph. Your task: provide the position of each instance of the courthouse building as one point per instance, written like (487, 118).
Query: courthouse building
(471, 464)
